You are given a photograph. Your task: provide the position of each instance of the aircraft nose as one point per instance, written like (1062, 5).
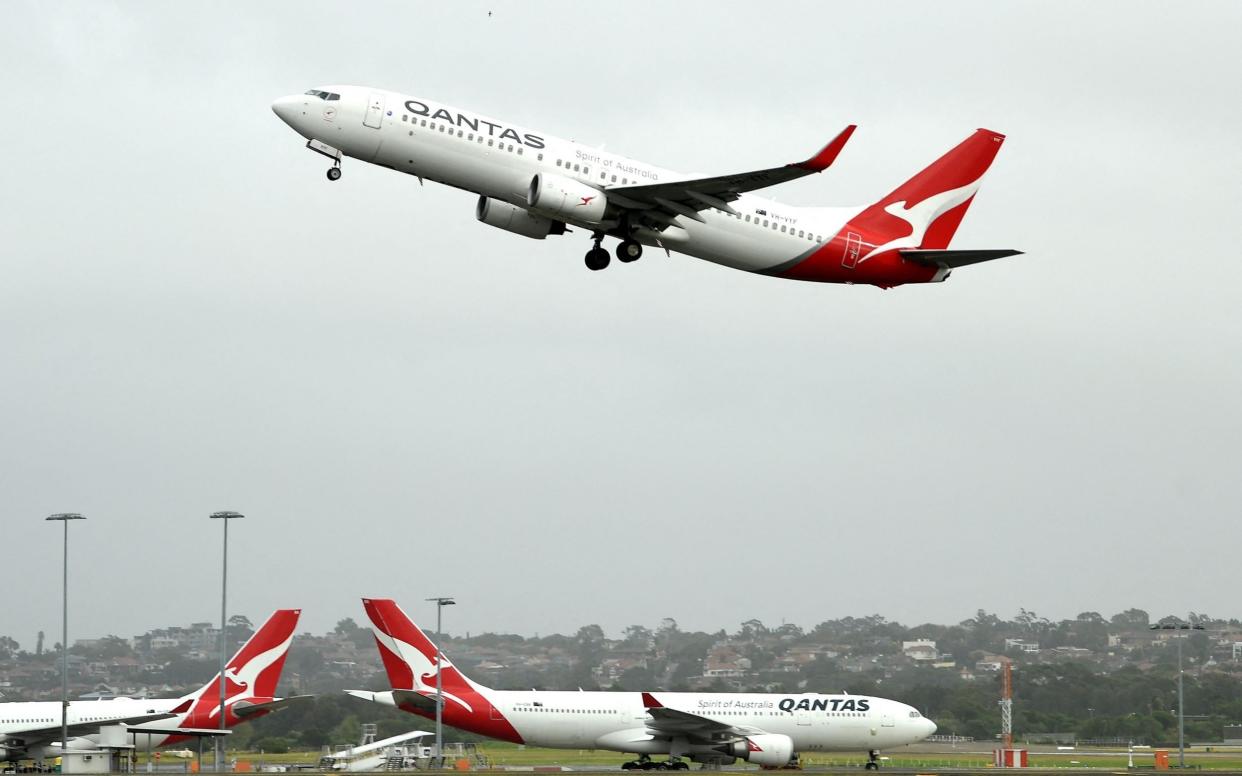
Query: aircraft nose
(288, 108)
(931, 726)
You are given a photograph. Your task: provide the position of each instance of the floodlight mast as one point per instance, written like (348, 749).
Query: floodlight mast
(223, 517)
(1181, 698)
(64, 518)
(441, 602)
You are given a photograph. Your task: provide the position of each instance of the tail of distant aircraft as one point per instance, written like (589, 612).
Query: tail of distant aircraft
(409, 656)
(914, 223)
(410, 660)
(250, 677)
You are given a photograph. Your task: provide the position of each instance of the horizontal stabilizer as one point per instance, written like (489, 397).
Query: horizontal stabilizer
(173, 730)
(252, 706)
(953, 259)
(416, 699)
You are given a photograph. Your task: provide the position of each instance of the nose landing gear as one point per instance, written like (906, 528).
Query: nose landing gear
(873, 760)
(334, 172)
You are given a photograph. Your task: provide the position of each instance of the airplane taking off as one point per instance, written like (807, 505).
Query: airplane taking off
(537, 185)
(767, 729)
(32, 729)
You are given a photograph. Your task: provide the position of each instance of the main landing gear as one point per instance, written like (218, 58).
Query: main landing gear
(627, 250)
(873, 760)
(645, 763)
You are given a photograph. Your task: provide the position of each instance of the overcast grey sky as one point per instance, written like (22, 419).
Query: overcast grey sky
(407, 403)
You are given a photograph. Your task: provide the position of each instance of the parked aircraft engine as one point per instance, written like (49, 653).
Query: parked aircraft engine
(771, 749)
(495, 212)
(566, 198)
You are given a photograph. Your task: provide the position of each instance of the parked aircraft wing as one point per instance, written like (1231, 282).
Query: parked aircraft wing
(676, 722)
(688, 197)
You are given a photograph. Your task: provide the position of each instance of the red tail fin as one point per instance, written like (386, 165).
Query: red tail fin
(925, 211)
(409, 656)
(255, 670)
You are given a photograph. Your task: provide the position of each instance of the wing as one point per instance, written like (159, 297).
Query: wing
(87, 728)
(666, 721)
(660, 203)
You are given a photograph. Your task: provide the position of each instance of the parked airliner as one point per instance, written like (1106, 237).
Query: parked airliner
(763, 728)
(537, 185)
(32, 729)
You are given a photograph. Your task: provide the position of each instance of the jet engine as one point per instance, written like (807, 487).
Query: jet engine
(771, 749)
(566, 198)
(511, 218)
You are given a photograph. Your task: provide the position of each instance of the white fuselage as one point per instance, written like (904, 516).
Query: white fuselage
(609, 720)
(35, 725)
(496, 159)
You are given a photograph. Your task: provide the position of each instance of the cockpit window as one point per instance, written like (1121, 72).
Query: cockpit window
(915, 714)
(323, 95)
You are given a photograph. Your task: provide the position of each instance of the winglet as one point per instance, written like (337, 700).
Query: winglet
(828, 154)
(649, 702)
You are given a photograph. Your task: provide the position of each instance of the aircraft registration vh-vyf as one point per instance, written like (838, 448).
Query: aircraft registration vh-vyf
(536, 185)
(768, 729)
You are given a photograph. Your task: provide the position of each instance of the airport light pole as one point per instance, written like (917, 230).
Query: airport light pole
(441, 602)
(64, 518)
(223, 517)
(1181, 698)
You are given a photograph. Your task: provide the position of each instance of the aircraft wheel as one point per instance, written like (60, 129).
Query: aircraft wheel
(629, 250)
(873, 766)
(597, 259)
(334, 173)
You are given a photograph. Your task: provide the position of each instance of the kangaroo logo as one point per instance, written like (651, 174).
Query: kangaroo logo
(585, 201)
(422, 667)
(922, 215)
(244, 678)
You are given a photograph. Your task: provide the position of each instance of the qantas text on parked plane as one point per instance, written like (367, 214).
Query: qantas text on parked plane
(537, 185)
(766, 729)
(32, 730)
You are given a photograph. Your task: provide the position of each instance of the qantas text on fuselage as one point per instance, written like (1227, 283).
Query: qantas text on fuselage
(537, 185)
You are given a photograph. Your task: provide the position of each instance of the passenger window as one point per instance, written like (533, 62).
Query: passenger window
(471, 137)
(800, 233)
(405, 117)
(765, 222)
(558, 162)
(577, 168)
(614, 179)
(519, 150)
(748, 218)
(423, 123)
(459, 133)
(540, 158)
(586, 170)
(782, 227)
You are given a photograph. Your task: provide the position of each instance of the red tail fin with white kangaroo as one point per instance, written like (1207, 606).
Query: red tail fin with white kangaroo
(410, 660)
(903, 237)
(250, 677)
